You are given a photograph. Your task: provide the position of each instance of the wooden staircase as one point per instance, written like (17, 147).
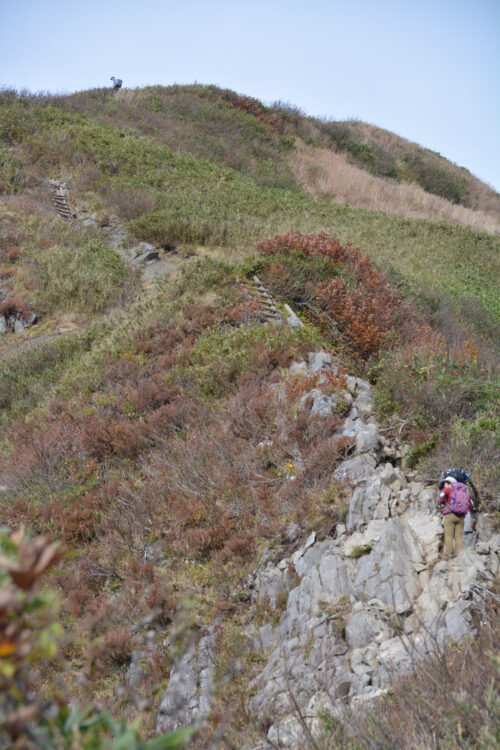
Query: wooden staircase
(59, 195)
(267, 306)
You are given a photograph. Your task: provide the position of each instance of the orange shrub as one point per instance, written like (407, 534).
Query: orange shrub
(360, 308)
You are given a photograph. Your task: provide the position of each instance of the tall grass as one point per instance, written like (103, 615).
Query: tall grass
(386, 154)
(199, 201)
(321, 170)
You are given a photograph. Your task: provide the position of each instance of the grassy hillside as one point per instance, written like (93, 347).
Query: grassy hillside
(146, 429)
(325, 172)
(177, 198)
(240, 132)
(385, 154)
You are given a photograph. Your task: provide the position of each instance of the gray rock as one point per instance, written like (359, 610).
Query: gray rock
(484, 527)
(482, 548)
(427, 532)
(363, 503)
(362, 628)
(351, 427)
(293, 320)
(364, 404)
(354, 470)
(270, 584)
(387, 572)
(368, 537)
(494, 541)
(390, 475)
(426, 501)
(310, 557)
(19, 326)
(298, 368)
(189, 695)
(145, 648)
(310, 540)
(267, 637)
(368, 439)
(318, 361)
(3, 325)
(322, 406)
(396, 654)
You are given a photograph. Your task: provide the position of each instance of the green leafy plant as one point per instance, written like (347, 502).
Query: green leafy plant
(29, 636)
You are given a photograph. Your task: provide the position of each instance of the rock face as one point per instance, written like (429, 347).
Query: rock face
(14, 321)
(188, 698)
(374, 598)
(359, 605)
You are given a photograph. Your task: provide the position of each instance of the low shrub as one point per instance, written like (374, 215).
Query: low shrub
(91, 277)
(359, 307)
(421, 450)
(430, 387)
(130, 203)
(450, 700)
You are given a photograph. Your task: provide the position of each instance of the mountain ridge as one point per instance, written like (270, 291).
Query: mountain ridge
(160, 419)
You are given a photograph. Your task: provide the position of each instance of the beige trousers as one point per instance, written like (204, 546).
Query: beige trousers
(453, 532)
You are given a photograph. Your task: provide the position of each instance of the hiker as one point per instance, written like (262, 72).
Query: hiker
(456, 502)
(117, 83)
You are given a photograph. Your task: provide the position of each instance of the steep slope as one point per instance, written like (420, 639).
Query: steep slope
(240, 132)
(385, 154)
(156, 426)
(325, 172)
(339, 615)
(177, 199)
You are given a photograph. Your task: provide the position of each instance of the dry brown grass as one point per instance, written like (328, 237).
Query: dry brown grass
(484, 197)
(321, 170)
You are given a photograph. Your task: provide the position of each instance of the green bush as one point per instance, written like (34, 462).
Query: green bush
(220, 357)
(421, 450)
(11, 171)
(90, 277)
(26, 379)
(27, 717)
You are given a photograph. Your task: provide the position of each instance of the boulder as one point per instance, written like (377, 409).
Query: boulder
(321, 406)
(188, 698)
(363, 504)
(293, 320)
(354, 470)
(364, 404)
(270, 584)
(318, 361)
(368, 439)
(387, 572)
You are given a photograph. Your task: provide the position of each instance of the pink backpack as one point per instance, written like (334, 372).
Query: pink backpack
(459, 499)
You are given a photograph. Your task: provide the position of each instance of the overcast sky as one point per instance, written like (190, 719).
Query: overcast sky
(425, 69)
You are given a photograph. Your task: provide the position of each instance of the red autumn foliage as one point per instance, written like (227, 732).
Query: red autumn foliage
(13, 254)
(107, 438)
(15, 305)
(78, 521)
(256, 108)
(365, 315)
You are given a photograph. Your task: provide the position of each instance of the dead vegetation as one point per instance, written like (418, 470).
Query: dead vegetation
(322, 171)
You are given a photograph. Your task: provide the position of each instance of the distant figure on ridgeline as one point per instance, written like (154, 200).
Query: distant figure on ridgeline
(117, 83)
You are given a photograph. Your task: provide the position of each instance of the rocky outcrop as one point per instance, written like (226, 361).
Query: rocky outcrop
(359, 605)
(371, 600)
(188, 698)
(13, 320)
